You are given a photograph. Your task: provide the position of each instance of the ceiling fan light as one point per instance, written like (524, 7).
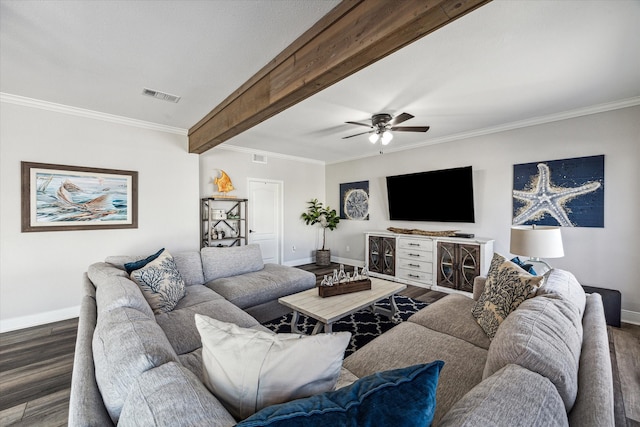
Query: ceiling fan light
(374, 138)
(386, 137)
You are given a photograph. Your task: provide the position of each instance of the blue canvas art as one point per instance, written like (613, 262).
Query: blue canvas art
(354, 201)
(567, 193)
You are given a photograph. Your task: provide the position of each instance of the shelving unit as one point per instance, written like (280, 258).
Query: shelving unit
(224, 222)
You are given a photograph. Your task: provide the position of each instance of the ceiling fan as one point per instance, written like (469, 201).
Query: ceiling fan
(382, 124)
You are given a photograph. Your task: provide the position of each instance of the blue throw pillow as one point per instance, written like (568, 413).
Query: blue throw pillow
(526, 267)
(137, 265)
(399, 397)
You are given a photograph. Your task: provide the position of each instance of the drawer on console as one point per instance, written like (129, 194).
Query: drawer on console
(418, 276)
(414, 254)
(415, 264)
(418, 244)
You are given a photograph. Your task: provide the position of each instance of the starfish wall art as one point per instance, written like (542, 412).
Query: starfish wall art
(568, 193)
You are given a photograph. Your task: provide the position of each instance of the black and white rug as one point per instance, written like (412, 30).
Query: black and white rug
(363, 325)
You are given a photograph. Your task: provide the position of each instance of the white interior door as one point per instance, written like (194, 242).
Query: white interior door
(265, 218)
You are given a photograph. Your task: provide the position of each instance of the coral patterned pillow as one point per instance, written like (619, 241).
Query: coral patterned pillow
(506, 287)
(160, 283)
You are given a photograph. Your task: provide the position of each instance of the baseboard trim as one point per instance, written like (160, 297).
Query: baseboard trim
(23, 322)
(628, 316)
(299, 261)
(348, 261)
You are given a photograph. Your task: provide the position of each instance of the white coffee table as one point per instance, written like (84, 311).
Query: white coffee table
(327, 310)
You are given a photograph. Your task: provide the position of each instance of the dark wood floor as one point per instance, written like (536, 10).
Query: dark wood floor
(35, 374)
(36, 364)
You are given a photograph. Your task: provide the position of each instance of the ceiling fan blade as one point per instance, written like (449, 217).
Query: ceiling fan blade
(351, 136)
(400, 118)
(360, 124)
(410, 128)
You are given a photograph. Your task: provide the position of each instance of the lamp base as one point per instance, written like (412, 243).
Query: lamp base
(539, 261)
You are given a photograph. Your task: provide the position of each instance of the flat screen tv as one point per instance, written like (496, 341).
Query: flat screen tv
(440, 196)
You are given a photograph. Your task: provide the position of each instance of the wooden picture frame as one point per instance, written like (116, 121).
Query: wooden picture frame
(64, 198)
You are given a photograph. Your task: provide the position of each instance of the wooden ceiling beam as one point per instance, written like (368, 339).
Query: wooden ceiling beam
(353, 35)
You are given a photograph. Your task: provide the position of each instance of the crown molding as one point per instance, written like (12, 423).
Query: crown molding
(534, 121)
(81, 112)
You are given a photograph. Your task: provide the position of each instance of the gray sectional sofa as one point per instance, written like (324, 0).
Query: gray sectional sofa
(123, 346)
(548, 363)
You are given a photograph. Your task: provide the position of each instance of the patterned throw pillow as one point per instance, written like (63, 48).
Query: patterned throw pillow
(506, 287)
(160, 282)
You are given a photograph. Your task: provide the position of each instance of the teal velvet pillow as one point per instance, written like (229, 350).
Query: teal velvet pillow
(132, 266)
(399, 397)
(526, 267)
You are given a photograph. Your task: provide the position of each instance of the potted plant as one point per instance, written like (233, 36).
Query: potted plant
(327, 218)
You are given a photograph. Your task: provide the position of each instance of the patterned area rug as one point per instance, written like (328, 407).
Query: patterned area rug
(363, 325)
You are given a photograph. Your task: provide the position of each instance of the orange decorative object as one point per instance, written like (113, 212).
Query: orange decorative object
(223, 182)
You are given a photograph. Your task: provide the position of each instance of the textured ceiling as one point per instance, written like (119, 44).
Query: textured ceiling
(506, 64)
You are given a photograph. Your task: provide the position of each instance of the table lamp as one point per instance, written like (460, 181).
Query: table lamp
(536, 242)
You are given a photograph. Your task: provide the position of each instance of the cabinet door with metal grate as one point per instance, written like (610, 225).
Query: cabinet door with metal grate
(458, 265)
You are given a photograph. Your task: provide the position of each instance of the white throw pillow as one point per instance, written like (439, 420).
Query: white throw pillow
(248, 369)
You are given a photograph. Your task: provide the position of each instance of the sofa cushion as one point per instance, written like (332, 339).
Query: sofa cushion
(138, 264)
(101, 271)
(117, 292)
(180, 327)
(230, 261)
(402, 397)
(189, 265)
(126, 343)
(507, 285)
(191, 403)
(160, 282)
(565, 284)
(437, 316)
(541, 337)
(249, 369)
(513, 396)
(268, 284)
(409, 344)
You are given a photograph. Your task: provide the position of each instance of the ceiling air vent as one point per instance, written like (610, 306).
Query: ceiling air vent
(160, 95)
(259, 158)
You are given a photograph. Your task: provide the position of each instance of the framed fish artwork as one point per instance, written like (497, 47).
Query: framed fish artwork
(64, 198)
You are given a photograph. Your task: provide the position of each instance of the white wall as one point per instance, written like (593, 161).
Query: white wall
(41, 272)
(606, 257)
(303, 180)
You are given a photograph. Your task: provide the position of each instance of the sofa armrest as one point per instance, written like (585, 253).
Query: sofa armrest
(478, 286)
(595, 402)
(86, 408)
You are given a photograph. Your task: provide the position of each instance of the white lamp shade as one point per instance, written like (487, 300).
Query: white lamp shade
(374, 138)
(536, 242)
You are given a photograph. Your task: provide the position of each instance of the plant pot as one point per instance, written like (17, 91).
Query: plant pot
(323, 257)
